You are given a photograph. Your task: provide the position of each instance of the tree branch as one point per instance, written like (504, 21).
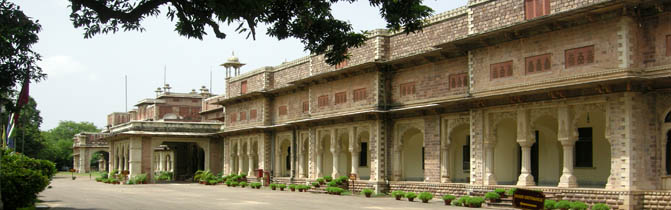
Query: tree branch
(105, 13)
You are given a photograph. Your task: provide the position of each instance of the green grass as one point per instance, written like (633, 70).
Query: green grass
(92, 174)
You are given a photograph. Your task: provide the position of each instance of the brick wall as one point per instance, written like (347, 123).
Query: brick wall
(600, 35)
(347, 85)
(431, 81)
(246, 107)
(294, 104)
(295, 70)
(451, 28)
(652, 40)
(255, 82)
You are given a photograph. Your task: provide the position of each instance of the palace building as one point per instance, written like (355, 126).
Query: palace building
(570, 97)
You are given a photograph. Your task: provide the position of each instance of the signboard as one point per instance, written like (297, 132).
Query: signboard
(528, 199)
(352, 176)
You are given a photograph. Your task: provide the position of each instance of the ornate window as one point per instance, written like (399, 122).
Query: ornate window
(282, 110)
(359, 94)
(501, 70)
(243, 116)
(579, 56)
(458, 80)
(252, 114)
(539, 63)
(407, 89)
(243, 87)
(323, 101)
(340, 97)
(233, 117)
(536, 8)
(306, 107)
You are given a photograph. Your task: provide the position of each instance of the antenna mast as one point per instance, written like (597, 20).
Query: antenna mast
(126, 92)
(211, 79)
(164, 73)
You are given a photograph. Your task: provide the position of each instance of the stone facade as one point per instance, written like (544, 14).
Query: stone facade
(496, 98)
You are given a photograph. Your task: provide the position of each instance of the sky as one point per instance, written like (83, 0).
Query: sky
(85, 77)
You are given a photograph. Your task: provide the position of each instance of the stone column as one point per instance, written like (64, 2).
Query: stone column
(355, 150)
(301, 160)
(396, 176)
(490, 178)
(444, 157)
(335, 152)
(135, 153)
(564, 136)
(318, 158)
(278, 162)
(526, 140)
(250, 161)
(240, 159)
(161, 162)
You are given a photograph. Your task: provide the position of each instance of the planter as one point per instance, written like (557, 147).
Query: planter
(74, 177)
(300, 190)
(368, 195)
(281, 189)
(322, 182)
(448, 202)
(273, 188)
(293, 189)
(425, 201)
(411, 199)
(398, 198)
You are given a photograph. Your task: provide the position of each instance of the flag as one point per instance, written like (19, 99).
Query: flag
(14, 117)
(9, 130)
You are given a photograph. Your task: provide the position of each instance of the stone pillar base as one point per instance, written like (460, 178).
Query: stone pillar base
(526, 180)
(380, 187)
(445, 179)
(568, 181)
(491, 180)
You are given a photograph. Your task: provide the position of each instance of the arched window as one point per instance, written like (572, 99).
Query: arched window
(667, 119)
(668, 151)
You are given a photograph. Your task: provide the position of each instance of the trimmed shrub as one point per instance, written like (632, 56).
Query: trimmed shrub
(367, 192)
(578, 206)
(449, 197)
(282, 186)
(22, 178)
(600, 206)
(511, 191)
(272, 186)
(320, 180)
(563, 205)
(234, 184)
(243, 184)
(411, 195)
(500, 190)
(462, 201)
(328, 178)
(213, 182)
(475, 201)
(315, 184)
(332, 184)
(398, 194)
(425, 196)
(492, 196)
(550, 204)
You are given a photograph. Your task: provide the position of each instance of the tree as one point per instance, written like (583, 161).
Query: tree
(27, 137)
(59, 141)
(310, 21)
(17, 61)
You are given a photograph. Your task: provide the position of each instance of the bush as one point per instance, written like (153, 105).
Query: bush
(234, 183)
(197, 175)
(335, 190)
(272, 185)
(332, 184)
(550, 204)
(282, 186)
(600, 206)
(292, 186)
(500, 190)
(449, 197)
(511, 191)
(213, 182)
(425, 196)
(367, 191)
(22, 178)
(140, 178)
(563, 205)
(315, 184)
(328, 178)
(164, 176)
(492, 196)
(320, 180)
(463, 200)
(243, 184)
(475, 201)
(578, 206)
(410, 195)
(398, 193)
(457, 203)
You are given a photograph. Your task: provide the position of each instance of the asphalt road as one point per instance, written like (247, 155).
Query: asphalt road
(83, 193)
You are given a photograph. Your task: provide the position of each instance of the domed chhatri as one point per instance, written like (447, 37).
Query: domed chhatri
(234, 63)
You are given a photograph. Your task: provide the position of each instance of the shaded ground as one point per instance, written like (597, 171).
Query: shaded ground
(83, 193)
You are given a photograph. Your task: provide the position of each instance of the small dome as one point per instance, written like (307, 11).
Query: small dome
(233, 59)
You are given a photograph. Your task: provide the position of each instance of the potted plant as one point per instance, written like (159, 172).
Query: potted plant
(273, 186)
(448, 199)
(321, 181)
(306, 188)
(549, 204)
(578, 206)
(213, 182)
(292, 187)
(141, 179)
(501, 192)
(563, 205)
(234, 184)
(425, 197)
(463, 200)
(410, 196)
(243, 184)
(328, 178)
(475, 202)
(600, 206)
(398, 194)
(315, 184)
(282, 186)
(493, 197)
(367, 192)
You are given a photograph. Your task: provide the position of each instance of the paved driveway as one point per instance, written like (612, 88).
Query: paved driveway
(88, 194)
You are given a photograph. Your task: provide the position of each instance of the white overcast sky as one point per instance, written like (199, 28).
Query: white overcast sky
(86, 76)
